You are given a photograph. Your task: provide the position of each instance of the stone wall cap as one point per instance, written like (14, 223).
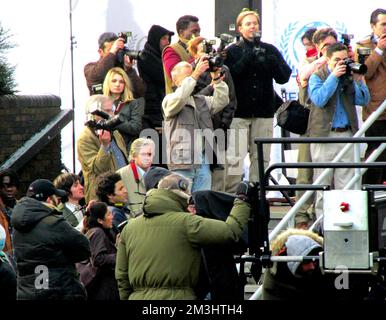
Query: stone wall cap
(20, 101)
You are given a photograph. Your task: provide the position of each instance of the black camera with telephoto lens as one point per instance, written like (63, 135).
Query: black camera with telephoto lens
(352, 66)
(132, 54)
(106, 123)
(215, 60)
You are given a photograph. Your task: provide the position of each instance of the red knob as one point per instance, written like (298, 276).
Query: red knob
(344, 206)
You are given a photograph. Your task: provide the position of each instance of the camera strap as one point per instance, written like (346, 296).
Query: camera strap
(135, 171)
(119, 107)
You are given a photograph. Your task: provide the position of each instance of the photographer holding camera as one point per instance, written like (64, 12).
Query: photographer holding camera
(100, 147)
(110, 48)
(187, 27)
(253, 65)
(375, 60)
(198, 47)
(334, 90)
(186, 116)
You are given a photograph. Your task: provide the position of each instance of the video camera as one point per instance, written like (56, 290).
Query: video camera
(106, 123)
(132, 54)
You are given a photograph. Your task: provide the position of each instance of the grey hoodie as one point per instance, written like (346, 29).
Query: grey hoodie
(299, 245)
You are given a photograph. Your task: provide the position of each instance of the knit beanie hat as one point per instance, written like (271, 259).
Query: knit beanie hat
(153, 176)
(299, 245)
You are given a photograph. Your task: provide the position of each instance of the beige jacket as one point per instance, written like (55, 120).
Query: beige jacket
(184, 114)
(375, 78)
(136, 191)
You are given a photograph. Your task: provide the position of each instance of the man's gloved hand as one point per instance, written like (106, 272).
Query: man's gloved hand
(244, 191)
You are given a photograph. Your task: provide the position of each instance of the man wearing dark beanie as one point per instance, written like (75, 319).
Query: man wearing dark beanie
(153, 176)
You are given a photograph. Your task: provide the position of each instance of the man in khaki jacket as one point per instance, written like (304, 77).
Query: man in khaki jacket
(99, 151)
(141, 159)
(188, 120)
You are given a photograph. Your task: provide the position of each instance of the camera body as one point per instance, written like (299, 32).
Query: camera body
(132, 54)
(215, 60)
(257, 49)
(352, 66)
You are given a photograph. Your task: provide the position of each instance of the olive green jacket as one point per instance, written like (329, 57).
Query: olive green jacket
(95, 160)
(159, 253)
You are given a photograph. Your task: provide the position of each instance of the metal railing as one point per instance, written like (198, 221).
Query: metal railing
(291, 213)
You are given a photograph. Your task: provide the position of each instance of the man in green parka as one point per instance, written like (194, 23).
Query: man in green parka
(159, 253)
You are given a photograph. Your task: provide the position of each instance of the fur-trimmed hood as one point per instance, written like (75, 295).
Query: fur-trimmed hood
(278, 243)
(298, 242)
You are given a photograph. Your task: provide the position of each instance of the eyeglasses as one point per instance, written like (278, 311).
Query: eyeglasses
(146, 154)
(120, 81)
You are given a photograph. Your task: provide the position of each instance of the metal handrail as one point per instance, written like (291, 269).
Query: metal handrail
(291, 213)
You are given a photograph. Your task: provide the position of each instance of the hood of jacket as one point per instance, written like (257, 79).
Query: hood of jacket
(299, 245)
(302, 242)
(160, 201)
(28, 212)
(154, 36)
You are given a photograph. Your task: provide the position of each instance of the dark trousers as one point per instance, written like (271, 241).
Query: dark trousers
(377, 175)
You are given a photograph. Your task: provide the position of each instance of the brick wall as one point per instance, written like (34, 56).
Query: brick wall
(20, 118)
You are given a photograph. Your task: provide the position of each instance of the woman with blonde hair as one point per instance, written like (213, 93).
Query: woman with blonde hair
(118, 87)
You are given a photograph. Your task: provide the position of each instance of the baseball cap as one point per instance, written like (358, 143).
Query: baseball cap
(41, 189)
(106, 37)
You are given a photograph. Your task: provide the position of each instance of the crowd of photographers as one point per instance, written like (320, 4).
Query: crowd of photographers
(131, 240)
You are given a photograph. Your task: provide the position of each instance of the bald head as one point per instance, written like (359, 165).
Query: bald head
(180, 71)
